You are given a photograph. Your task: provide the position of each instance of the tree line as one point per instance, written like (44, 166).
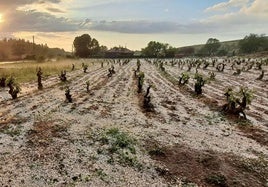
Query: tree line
(87, 47)
(19, 49)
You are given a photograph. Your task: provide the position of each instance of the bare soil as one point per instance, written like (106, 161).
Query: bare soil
(184, 140)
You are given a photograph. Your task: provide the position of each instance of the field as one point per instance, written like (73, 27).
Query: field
(105, 137)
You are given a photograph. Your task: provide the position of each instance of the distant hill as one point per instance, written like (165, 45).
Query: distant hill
(230, 46)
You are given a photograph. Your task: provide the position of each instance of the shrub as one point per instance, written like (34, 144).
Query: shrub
(184, 78)
(111, 71)
(39, 78)
(259, 65)
(238, 72)
(237, 101)
(161, 66)
(140, 81)
(73, 67)
(200, 82)
(118, 140)
(189, 67)
(68, 95)
(261, 75)
(14, 87)
(62, 76)
(3, 82)
(220, 67)
(85, 67)
(212, 75)
(206, 64)
(87, 86)
(147, 105)
(138, 65)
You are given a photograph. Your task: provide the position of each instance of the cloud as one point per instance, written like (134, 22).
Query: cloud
(254, 13)
(227, 5)
(257, 8)
(55, 10)
(10, 4)
(36, 21)
(246, 18)
(143, 27)
(251, 17)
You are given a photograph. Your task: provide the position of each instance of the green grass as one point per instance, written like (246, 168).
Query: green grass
(26, 71)
(120, 147)
(118, 140)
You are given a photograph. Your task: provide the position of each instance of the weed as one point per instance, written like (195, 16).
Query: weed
(120, 146)
(100, 173)
(13, 132)
(127, 159)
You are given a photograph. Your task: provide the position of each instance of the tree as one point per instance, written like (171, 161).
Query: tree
(102, 51)
(18, 48)
(186, 51)
(253, 43)
(157, 49)
(86, 46)
(211, 47)
(170, 52)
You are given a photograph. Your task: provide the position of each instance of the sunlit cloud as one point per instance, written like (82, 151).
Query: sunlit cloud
(224, 6)
(1, 18)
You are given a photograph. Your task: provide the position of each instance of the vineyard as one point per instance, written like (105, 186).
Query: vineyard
(145, 122)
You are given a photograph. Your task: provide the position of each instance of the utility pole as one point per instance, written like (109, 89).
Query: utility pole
(72, 49)
(33, 45)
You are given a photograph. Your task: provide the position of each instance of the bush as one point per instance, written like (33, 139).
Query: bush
(140, 81)
(68, 95)
(200, 82)
(3, 82)
(62, 76)
(14, 87)
(237, 101)
(184, 78)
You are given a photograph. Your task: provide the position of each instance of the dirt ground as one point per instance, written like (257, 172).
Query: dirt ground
(105, 138)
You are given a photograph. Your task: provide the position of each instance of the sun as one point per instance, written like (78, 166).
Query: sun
(1, 18)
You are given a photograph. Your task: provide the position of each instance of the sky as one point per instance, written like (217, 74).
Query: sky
(132, 23)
